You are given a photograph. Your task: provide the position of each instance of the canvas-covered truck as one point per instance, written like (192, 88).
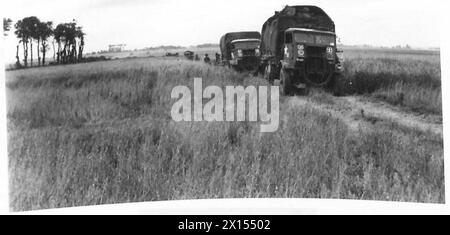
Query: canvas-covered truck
(298, 47)
(240, 50)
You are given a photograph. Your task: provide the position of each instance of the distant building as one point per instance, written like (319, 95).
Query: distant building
(116, 48)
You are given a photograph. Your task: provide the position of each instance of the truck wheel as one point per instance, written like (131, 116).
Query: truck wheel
(286, 83)
(336, 85)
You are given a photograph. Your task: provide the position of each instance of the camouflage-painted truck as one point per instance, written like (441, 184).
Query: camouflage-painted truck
(240, 50)
(299, 48)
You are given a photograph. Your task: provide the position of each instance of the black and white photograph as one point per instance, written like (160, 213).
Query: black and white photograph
(127, 101)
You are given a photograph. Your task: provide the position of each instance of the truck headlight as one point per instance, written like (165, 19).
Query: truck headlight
(300, 50)
(240, 54)
(330, 50)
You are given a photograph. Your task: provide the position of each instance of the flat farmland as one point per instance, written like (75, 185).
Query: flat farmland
(101, 133)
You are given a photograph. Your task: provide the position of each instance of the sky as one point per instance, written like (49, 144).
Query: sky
(146, 23)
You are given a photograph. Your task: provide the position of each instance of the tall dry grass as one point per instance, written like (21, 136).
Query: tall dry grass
(411, 79)
(102, 133)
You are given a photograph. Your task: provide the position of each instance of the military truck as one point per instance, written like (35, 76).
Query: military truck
(240, 50)
(298, 47)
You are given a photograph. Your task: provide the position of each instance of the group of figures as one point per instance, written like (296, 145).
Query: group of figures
(206, 59)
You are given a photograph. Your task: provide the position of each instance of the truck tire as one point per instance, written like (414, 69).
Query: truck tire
(336, 85)
(260, 70)
(285, 83)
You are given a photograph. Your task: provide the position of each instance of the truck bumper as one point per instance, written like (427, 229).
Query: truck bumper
(246, 63)
(311, 71)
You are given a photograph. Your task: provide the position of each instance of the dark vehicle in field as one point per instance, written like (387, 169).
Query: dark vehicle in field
(298, 47)
(169, 54)
(240, 50)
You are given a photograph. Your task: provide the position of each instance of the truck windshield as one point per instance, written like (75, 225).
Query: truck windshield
(310, 38)
(246, 45)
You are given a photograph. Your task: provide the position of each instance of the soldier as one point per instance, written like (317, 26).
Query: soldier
(206, 59)
(197, 58)
(217, 58)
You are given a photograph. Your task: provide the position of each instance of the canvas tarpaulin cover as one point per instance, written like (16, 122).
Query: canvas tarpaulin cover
(310, 17)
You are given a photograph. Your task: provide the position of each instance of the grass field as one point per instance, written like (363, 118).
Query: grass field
(101, 132)
(407, 78)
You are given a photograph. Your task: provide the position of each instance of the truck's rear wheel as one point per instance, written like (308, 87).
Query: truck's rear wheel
(285, 83)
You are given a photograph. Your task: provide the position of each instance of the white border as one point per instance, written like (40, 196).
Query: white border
(4, 199)
(445, 74)
(253, 207)
(257, 206)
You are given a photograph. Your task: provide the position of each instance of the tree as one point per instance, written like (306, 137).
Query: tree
(54, 51)
(23, 36)
(32, 23)
(66, 36)
(26, 31)
(6, 25)
(58, 35)
(45, 31)
(70, 43)
(80, 35)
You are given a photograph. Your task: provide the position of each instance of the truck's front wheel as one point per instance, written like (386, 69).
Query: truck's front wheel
(336, 85)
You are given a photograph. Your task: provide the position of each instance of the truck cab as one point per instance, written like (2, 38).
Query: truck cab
(245, 53)
(240, 50)
(299, 48)
(310, 57)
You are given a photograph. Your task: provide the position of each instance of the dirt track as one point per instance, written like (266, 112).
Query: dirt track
(360, 113)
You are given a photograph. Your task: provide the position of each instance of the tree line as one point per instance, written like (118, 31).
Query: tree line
(68, 37)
